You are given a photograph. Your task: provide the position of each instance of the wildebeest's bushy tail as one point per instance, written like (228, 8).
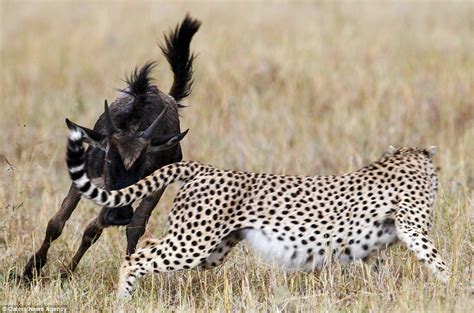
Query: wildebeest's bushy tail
(176, 50)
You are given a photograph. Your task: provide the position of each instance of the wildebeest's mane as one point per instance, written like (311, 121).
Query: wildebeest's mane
(139, 81)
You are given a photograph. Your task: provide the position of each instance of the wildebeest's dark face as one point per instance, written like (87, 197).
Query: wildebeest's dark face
(126, 150)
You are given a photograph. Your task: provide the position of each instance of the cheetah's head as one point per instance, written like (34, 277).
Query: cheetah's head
(392, 151)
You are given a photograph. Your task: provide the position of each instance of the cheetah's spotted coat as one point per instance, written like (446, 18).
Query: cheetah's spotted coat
(298, 222)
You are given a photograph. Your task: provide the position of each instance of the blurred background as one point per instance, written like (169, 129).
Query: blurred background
(298, 88)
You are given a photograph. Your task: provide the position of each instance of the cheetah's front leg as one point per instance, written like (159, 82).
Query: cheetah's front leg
(414, 235)
(136, 265)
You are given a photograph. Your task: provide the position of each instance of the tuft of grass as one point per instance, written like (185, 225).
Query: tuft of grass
(297, 88)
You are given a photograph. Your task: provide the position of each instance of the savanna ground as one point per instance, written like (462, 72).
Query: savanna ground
(303, 88)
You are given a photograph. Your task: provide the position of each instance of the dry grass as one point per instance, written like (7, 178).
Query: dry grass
(286, 88)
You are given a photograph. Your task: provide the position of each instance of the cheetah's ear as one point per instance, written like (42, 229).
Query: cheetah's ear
(390, 151)
(432, 151)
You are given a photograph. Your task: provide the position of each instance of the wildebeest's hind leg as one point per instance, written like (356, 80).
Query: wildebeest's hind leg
(53, 231)
(91, 235)
(136, 227)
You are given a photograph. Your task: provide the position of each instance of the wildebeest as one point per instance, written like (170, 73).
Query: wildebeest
(130, 140)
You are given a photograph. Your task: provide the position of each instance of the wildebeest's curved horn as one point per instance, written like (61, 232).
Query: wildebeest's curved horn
(109, 123)
(150, 131)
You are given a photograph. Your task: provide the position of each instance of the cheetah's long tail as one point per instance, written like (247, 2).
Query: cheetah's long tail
(181, 171)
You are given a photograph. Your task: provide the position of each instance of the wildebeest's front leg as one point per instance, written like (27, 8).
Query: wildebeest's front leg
(91, 234)
(53, 231)
(107, 217)
(136, 227)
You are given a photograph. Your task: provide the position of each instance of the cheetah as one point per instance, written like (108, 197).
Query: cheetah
(297, 222)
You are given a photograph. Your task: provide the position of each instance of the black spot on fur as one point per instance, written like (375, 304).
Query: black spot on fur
(76, 175)
(85, 188)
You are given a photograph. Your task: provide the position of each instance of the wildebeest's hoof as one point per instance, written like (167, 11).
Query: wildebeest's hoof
(65, 274)
(13, 278)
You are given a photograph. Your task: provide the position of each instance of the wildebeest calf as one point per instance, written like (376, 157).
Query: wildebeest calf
(130, 140)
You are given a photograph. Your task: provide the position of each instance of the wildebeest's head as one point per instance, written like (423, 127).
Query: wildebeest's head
(132, 135)
(139, 132)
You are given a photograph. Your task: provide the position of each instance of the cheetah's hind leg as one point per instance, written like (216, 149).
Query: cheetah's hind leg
(158, 256)
(219, 255)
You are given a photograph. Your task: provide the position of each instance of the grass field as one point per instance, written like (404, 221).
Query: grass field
(303, 88)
